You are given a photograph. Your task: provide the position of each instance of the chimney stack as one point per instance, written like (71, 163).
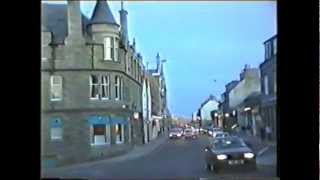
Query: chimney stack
(74, 22)
(124, 26)
(158, 61)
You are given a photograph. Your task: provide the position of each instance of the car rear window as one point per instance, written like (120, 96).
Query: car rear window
(175, 130)
(228, 143)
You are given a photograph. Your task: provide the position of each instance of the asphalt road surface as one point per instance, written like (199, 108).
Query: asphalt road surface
(178, 159)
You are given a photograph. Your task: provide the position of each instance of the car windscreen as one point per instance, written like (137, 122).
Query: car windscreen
(228, 143)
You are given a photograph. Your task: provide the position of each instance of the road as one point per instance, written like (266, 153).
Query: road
(174, 159)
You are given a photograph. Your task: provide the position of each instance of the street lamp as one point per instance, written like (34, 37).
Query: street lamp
(234, 112)
(226, 114)
(136, 115)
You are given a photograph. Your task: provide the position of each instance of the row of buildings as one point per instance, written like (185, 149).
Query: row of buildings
(97, 97)
(250, 101)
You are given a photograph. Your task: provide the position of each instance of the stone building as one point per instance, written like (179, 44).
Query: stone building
(146, 104)
(249, 83)
(228, 114)
(158, 88)
(91, 85)
(269, 85)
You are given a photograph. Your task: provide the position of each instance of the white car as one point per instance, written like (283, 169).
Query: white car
(176, 133)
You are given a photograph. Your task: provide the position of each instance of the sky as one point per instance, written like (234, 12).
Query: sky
(206, 44)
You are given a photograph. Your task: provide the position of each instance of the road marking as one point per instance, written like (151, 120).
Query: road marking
(263, 150)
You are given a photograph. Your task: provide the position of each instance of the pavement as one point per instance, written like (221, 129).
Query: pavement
(136, 152)
(265, 149)
(169, 159)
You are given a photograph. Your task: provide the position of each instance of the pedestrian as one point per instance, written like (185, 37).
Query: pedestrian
(262, 133)
(268, 131)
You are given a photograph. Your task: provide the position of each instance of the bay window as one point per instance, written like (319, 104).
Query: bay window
(108, 48)
(94, 87)
(116, 49)
(56, 88)
(118, 87)
(105, 87)
(111, 49)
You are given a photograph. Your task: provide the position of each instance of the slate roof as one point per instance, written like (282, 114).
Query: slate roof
(54, 19)
(211, 98)
(102, 14)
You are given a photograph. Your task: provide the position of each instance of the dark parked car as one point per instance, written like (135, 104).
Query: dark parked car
(229, 152)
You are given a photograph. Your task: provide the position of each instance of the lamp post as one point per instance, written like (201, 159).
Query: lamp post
(148, 122)
(216, 117)
(135, 118)
(200, 124)
(248, 112)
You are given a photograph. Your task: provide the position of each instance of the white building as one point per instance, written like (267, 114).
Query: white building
(194, 116)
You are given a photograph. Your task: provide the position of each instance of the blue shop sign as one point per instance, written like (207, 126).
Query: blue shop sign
(99, 120)
(118, 120)
(56, 122)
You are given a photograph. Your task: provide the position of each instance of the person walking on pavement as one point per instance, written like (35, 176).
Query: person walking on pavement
(262, 132)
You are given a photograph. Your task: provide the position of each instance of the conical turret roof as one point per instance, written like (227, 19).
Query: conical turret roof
(102, 14)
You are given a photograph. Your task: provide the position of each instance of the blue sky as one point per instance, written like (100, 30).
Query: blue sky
(202, 42)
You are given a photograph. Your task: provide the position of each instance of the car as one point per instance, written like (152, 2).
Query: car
(176, 133)
(229, 152)
(213, 131)
(189, 134)
(220, 134)
(203, 131)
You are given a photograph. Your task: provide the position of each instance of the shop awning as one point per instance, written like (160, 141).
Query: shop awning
(118, 120)
(99, 120)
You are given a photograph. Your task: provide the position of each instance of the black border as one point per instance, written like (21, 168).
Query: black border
(298, 89)
(22, 63)
(298, 95)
